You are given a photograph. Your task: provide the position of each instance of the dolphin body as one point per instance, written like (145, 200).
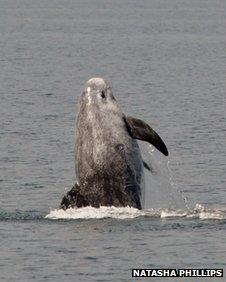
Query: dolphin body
(108, 162)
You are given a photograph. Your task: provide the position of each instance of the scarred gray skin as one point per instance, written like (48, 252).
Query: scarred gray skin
(108, 161)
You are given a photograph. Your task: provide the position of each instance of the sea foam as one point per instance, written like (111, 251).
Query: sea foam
(199, 212)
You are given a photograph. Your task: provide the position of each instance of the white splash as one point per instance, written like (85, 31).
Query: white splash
(210, 213)
(98, 213)
(199, 212)
(173, 213)
(160, 189)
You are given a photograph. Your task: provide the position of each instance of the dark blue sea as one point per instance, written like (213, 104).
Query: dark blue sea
(166, 64)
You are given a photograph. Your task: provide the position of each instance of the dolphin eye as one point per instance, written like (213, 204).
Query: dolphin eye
(102, 94)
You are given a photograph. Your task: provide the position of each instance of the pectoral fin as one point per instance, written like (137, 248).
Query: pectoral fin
(140, 130)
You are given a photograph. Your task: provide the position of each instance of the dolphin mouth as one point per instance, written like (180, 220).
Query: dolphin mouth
(97, 81)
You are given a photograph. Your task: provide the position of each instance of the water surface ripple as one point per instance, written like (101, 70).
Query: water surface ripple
(165, 61)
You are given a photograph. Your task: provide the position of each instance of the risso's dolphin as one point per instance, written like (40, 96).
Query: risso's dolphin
(108, 161)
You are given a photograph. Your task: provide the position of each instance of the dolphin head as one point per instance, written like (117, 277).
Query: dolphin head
(99, 127)
(97, 95)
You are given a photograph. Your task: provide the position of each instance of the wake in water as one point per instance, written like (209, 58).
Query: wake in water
(199, 212)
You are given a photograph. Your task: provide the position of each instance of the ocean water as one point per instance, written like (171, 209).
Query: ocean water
(165, 61)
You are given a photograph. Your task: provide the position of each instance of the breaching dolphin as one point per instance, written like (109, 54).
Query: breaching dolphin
(108, 162)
